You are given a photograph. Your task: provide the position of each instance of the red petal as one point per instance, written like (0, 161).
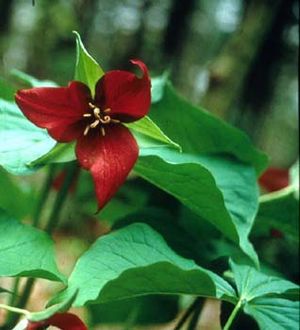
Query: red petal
(125, 94)
(59, 109)
(109, 159)
(64, 321)
(274, 179)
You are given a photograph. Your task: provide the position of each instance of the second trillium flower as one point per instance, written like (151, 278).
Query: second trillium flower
(105, 147)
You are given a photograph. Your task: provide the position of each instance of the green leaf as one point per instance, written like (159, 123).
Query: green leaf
(26, 251)
(252, 283)
(60, 153)
(47, 313)
(220, 190)
(274, 313)
(185, 244)
(151, 309)
(279, 210)
(136, 261)
(148, 128)
(265, 298)
(197, 131)
(13, 196)
(7, 92)
(30, 80)
(87, 70)
(24, 142)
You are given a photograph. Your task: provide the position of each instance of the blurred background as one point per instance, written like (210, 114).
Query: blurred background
(236, 58)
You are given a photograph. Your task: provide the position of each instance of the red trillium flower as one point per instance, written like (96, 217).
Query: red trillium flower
(63, 321)
(104, 145)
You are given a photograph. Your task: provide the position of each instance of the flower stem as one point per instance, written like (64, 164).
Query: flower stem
(15, 309)
(195, 317)
(233, 315)
(43, 196)
(60, 198)
(187, 314)
(14, 294)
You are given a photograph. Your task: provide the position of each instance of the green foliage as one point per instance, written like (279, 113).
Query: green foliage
(26, 251)
(31, 81)
(275, 313)
(210, 167)
(24, 142)
(218, 189)
(136, 261)
(265, 298)
(279, 210)
(48, 312)
(252, 283)
(7, 91)
(147, 128)
(13, 196)
(151, 309)
(87, 69)
(197, 131)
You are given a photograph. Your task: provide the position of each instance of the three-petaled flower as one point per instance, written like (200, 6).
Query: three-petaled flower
(104, 145)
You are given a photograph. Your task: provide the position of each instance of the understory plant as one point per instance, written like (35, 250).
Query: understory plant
(163, 197)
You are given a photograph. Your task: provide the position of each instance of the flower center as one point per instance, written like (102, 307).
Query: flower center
(100, 118)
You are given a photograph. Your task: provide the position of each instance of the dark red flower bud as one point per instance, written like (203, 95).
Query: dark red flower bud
(63, 321)
(274, 179)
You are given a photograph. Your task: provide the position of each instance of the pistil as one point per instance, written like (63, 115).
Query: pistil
(99, 119)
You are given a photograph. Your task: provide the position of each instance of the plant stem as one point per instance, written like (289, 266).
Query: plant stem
(60, 198)
(14, 309)
(194, 320)
(43, 196)
(14, 294)
(52, 222)
(187, 314)
(233, 315)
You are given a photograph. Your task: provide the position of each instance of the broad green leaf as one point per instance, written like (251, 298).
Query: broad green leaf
(22, 141)
(148, 128)
(265, 298)
(279, 210)
(32, 81)
(179, 240)
(11, 195)
(252, 283)
(274, 313)
(136, 261)
(197, 131)
(47, 313)
(220, 190)
(26, 251)
(87, 70)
